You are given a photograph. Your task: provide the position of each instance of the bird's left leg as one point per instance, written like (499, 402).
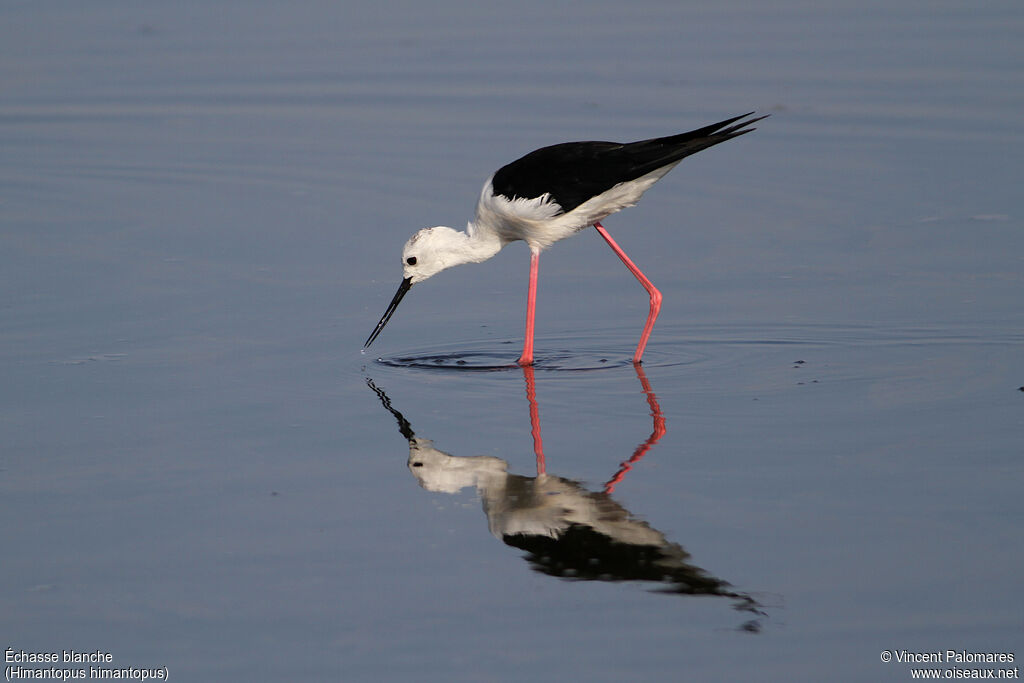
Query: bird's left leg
(652, 291)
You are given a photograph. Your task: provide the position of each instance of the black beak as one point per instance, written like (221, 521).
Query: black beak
(402, 289)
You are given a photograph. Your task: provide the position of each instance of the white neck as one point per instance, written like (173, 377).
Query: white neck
(432, 250)
(472, 246)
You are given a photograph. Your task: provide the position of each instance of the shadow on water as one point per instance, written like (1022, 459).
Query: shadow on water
(566, 530)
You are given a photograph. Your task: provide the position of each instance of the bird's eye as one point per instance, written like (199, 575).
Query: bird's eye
(411, 260)
(417, 464)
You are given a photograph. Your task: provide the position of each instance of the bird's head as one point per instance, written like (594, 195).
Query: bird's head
(427, 253)
(430, 251)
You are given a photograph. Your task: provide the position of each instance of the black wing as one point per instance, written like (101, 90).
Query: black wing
(573, 172)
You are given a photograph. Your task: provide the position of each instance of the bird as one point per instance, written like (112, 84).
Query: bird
(553, 193)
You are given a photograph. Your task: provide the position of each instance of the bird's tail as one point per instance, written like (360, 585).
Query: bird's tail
(676, 147)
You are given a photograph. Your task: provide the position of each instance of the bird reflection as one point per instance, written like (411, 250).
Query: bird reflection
(566, 530)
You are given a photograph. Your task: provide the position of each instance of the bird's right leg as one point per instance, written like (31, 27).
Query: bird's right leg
(652, 291)
(531, 310)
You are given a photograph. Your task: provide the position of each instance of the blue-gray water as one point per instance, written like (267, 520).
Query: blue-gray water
(202, 207)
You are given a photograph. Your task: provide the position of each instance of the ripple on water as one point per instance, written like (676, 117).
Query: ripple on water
(679, 346)
(477, 357)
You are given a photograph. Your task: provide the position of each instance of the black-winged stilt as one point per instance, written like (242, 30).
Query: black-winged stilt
(550, 194)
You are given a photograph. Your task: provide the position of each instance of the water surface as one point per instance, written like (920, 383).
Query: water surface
(201, 213)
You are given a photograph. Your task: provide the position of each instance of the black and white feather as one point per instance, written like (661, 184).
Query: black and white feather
(570, 186)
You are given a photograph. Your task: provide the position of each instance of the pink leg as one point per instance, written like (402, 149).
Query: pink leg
(531, 309)
(651, 290)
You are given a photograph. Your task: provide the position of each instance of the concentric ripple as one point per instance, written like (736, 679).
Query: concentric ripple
(477, 359)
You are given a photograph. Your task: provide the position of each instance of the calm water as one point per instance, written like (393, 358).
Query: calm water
(202, 207)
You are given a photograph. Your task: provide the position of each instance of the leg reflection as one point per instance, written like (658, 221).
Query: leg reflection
(656, 433)
(641, 450)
